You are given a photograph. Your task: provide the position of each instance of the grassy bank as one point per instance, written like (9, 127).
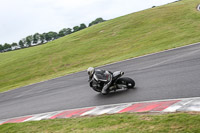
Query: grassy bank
(117, 123)
(133, 35)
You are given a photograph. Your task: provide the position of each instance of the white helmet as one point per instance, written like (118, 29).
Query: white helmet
(90, 71)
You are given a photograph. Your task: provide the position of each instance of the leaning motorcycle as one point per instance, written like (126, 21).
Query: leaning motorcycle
(118, 82)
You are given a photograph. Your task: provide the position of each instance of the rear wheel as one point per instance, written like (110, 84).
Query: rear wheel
(130, 83)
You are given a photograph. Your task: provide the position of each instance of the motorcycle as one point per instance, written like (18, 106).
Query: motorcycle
(118, 82)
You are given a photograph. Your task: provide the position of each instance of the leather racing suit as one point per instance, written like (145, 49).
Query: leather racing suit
(104, 75)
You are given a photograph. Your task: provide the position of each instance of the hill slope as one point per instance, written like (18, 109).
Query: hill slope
(136, 34)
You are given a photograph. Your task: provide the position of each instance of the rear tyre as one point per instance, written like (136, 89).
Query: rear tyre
(130, 83)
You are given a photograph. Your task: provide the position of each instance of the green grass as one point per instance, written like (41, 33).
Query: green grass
(117, 123)
(152, 30)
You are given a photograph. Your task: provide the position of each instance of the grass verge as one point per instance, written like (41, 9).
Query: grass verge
(116, 123)
(152, 30)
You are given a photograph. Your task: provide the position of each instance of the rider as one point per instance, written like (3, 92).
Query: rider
(92, 71)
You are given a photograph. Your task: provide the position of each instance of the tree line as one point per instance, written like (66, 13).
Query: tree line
(38, 39)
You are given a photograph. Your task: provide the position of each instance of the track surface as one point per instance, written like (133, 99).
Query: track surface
(165, 75)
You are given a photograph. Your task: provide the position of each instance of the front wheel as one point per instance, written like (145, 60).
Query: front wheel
(130, 83)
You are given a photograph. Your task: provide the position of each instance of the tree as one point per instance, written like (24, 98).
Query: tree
(54, 35)
(48, 37)
(29, 40)
(7, 47)
(1, 48)
(64, 31)
(98, 20)
(21, 44)
(51, 36)
(36, 38)
(82, 26)
(61, 33)
(68, 31)
(76, 28)
(42, 38)
(14, 45)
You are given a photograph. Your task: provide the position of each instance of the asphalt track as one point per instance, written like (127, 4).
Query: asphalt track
(167, 75)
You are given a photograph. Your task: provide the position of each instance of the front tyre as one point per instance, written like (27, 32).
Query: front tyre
(130, 83)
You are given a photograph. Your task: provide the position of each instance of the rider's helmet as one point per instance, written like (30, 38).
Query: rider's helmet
(90, 71)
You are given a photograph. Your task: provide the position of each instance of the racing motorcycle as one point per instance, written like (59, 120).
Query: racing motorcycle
(118, 82)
